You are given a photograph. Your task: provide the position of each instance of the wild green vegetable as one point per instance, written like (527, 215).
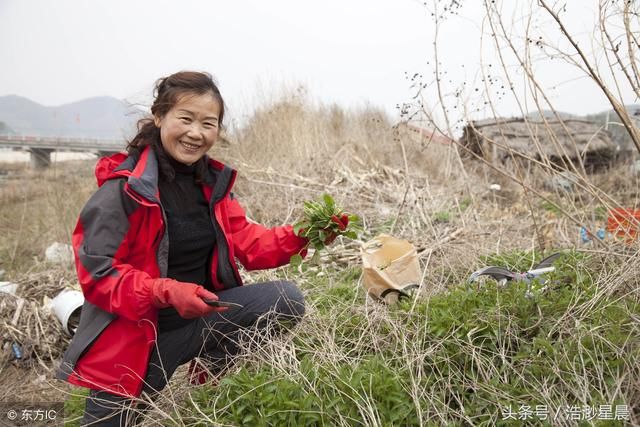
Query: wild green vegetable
(323, 222)
(463, 356)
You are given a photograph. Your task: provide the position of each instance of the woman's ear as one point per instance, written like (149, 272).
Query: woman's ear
(157, 121)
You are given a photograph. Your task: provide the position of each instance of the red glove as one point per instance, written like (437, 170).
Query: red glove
(186, 298)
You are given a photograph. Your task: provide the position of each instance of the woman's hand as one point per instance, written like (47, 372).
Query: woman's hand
(186, 298)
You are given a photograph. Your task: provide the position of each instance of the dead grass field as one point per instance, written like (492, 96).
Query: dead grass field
(290, 152)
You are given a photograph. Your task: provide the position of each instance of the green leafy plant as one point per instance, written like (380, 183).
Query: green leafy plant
(465, 203)
(550, 207)
(74, 407)
(323, 221)
(461, 357)
(601, 212)
(442, 216)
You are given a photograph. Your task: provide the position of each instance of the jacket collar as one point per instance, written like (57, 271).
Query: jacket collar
(142, 174)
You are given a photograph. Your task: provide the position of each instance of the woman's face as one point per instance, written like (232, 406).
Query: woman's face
(190, 128)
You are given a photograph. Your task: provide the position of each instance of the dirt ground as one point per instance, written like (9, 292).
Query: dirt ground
(451, 221)
(31, 385)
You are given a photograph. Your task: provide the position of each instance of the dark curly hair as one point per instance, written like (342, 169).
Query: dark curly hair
(168, 91)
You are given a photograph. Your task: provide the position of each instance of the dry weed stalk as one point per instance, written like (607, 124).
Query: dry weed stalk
(321, 337)
(28, 323)
(514, 48)
(398, 182)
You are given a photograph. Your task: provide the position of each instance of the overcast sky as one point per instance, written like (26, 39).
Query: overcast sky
(352, 52)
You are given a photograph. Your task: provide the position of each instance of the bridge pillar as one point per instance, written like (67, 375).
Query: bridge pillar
(40, 158)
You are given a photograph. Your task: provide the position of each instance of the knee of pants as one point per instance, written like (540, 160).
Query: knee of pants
(290, 302)
(105, 409)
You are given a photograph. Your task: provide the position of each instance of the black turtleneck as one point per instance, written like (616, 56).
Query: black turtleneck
(191, 234)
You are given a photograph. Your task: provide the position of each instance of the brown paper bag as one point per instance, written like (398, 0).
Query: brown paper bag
(390, 268)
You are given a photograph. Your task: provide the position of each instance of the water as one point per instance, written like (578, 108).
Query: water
(11, 156)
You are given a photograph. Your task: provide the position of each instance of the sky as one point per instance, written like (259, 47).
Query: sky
(355, 53)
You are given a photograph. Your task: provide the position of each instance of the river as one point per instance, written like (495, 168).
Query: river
(11, 156)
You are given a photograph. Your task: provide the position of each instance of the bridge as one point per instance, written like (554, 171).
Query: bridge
(41, 147)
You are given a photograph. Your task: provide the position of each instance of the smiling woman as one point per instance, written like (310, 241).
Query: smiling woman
(155, 245)
(188, 112)
(190, 128)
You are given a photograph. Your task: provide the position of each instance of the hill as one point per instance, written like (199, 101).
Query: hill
(4, 128)
(611, 122)
(608, 119)
(549, 114)
(98, 117)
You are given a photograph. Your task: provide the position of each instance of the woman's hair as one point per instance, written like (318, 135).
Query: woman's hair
(168, 91)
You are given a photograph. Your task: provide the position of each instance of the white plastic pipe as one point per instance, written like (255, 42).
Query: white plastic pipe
(67, 305)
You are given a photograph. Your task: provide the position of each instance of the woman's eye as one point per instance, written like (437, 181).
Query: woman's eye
(185, 119)
(210, 125)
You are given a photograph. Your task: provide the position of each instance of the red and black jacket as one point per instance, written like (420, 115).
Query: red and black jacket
(121, 246)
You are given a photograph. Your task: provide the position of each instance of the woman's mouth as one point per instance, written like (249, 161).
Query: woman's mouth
(189, 147)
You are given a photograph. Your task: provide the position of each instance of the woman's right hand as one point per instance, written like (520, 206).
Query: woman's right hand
(186, 298)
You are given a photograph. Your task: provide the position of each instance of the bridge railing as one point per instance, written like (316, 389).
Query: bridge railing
(61, 143)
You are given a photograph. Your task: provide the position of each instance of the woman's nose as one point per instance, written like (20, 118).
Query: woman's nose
(194, 131)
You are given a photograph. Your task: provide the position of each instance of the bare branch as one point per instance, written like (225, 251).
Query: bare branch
(631, 40)
(615, 48)
(617, 106)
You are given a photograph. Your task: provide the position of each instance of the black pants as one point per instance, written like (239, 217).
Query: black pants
(213, 338)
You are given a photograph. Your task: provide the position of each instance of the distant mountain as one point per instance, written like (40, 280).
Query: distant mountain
(99, 117)
(4, 129)
(633, 109)
(548, 114)
(611, 122)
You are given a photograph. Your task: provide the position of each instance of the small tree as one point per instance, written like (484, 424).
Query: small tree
(516, 38)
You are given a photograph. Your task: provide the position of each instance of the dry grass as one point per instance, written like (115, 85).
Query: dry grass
(39, 208)
(398, 182)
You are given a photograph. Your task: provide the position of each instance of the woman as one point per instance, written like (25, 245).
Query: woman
(158, 238)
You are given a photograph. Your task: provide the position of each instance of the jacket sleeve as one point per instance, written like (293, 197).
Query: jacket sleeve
(101, 246)
(258, 247)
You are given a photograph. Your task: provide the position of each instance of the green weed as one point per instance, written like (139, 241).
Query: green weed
(460, 357)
